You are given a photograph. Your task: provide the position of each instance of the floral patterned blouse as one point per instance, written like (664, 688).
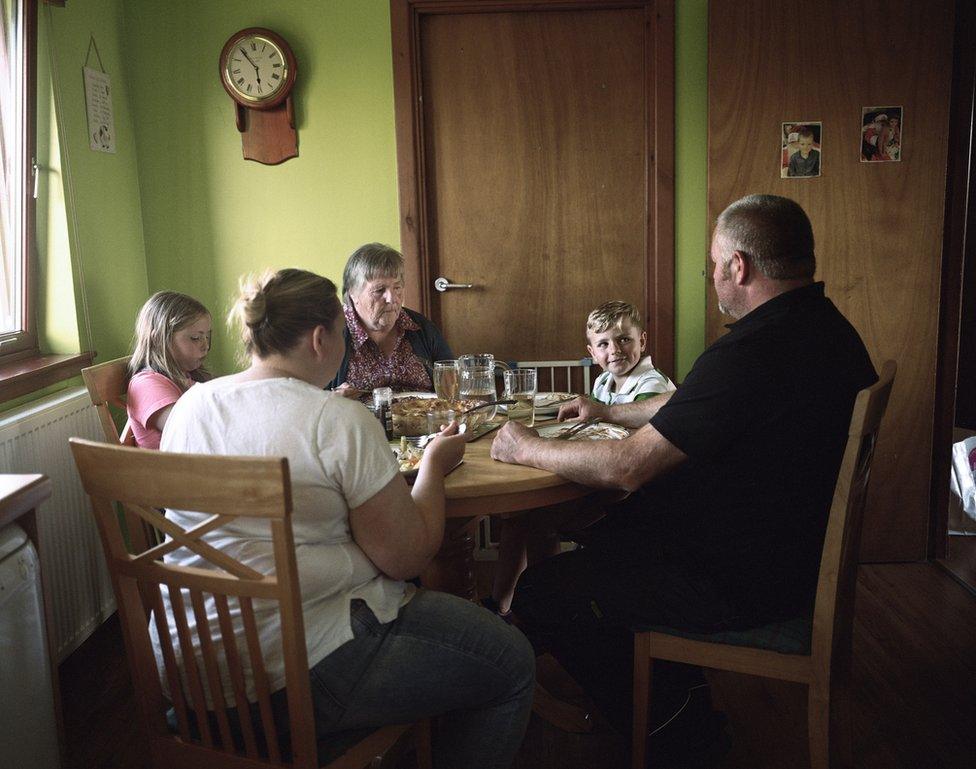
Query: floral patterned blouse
(369, 368)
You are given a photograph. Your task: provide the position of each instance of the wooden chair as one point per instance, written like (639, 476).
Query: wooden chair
(560, 375)
(225, 488)
(106, 385)
(813, 651)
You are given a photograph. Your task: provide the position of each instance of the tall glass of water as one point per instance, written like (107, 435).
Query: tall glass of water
(520, 386)
(446, 379)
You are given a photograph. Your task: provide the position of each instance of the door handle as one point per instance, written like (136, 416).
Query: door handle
(442, 284)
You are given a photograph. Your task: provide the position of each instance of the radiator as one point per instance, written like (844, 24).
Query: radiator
(34, 439)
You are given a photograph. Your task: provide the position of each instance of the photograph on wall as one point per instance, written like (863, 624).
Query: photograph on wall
(800, 156)
(881, 130)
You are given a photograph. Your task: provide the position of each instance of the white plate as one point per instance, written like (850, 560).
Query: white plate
(601, 431)
(406, 472)
(411, 472)
(397, 396)
(549, 403)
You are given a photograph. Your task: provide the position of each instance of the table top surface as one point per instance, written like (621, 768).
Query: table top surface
(21, 493)
(482, 485)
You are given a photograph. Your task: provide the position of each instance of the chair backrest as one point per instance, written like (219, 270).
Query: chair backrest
(833, 616)
(106, 385)
(571, 376)
(225, 488)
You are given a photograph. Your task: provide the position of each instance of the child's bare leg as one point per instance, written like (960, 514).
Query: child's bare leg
(533, 537)
(512, 549)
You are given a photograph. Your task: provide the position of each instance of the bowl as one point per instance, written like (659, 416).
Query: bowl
(410, 414)
(476, 418)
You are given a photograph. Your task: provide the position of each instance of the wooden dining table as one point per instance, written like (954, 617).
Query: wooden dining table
(481, 486)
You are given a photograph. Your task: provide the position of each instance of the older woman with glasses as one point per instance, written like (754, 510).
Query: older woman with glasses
(387, 345)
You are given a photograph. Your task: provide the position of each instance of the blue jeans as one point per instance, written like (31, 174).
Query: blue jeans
(442, 655)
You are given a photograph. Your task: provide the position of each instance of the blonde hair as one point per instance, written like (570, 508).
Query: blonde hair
(275, 309)
(612, 314)
(163, 314)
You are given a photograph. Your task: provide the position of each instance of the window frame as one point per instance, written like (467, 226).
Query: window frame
(23, 368)
(23, 344)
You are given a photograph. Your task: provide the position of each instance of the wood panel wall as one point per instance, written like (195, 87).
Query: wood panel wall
(878, 225)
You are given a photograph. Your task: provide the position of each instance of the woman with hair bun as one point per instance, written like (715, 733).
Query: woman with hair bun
(380, 650)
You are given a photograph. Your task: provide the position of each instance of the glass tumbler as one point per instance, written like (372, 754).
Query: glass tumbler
(446, 379)
(439, 419)
(521, 386)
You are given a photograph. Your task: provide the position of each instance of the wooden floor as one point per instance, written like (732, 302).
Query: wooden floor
(915, 690)
(961, 558)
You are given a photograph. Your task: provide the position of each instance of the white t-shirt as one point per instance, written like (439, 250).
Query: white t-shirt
(642, 379)
(338, 458)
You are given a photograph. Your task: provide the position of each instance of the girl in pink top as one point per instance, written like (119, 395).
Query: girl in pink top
(172, 341)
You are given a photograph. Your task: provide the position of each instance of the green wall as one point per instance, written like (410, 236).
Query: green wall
(101, 212)
(211, 216)
(691, 178)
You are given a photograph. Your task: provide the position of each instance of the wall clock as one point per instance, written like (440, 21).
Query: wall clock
(258, 71)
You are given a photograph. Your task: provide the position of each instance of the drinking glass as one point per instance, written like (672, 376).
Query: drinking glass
(439, 418)
(446, 379)
(520, 386)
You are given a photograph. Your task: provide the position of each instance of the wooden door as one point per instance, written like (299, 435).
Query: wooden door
(878, 226)
(526, 151)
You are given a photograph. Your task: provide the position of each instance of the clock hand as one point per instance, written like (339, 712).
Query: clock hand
(248, 59)
(257, 71)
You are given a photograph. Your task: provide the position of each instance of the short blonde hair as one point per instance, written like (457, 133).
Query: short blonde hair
(163, 314)
(275, 309)
(612, 314)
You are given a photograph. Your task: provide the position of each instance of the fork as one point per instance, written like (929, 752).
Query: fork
(577, 428)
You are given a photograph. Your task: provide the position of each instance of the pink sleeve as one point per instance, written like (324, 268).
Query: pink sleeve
(148, 393)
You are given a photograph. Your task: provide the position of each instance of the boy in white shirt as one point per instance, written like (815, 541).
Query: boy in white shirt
(616, 339)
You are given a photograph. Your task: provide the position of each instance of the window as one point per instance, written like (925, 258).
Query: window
(18, 35)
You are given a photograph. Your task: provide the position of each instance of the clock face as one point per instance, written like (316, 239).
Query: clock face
(255, 68)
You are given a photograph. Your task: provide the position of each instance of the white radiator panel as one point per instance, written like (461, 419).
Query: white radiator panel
(34, 439)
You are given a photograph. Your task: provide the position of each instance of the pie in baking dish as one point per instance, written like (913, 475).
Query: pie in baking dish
(410, 414)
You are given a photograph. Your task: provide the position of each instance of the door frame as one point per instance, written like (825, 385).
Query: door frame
(958, 268)
(405, 20)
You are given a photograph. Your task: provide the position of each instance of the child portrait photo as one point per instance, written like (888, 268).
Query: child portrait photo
(800, 156)
(881, 134)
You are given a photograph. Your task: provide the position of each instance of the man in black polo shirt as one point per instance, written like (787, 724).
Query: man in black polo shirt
(732, 474)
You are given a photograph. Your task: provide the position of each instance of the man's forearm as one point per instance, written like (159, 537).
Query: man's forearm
(637, 414)
(590, 463)
(626, 464)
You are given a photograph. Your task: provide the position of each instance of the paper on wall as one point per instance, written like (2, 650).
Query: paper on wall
(98, 103)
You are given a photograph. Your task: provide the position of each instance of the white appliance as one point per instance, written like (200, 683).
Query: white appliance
(28, 731)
